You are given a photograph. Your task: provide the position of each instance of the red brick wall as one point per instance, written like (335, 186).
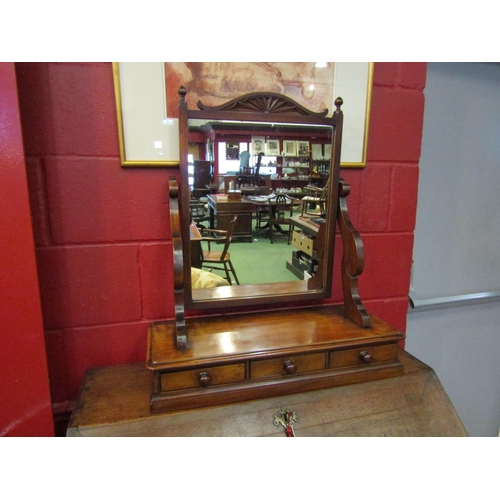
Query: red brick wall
(102, 233)
(25, 406)
(383, 199)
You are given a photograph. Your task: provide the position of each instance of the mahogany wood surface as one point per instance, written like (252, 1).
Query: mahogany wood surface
(225, 338)
(114, 401)
(263, 107)
(180, 334)
(353, 260)
(232, 358)
(282, 352)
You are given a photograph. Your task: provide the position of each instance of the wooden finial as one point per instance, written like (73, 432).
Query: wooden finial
(338, 102)
(182, 92)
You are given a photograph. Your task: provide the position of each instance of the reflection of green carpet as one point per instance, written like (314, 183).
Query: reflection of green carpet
(259, 261)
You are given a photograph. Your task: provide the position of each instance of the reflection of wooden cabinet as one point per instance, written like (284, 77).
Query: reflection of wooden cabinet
(202, 175)
(222, 212)
(202, 178)
(304, 258)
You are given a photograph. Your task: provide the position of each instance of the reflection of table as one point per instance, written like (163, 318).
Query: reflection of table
(114, 401)
(222, 212)
(262, 203)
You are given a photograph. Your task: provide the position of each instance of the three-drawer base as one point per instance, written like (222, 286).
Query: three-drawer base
(231, 362)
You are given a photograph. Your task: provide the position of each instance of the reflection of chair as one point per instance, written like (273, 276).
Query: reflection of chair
(281, 209)
(315, 203)
(199, 212)
(209, 257)
(262, 212)
(249, 175)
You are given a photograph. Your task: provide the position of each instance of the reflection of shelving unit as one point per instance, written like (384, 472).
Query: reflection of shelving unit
(304, 259)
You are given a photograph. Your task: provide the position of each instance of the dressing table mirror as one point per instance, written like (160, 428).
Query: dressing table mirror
(238, 342)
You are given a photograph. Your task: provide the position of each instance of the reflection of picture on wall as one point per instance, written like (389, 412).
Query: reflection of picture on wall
(258, 145)
(232, 151)
(317, 151)
(303, 148)
(273, 147)
(289, 148)
(328, 150)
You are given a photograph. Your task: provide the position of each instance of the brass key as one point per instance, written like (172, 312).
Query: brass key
(286, 418)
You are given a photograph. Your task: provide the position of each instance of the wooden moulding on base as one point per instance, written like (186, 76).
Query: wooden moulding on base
(248, 356)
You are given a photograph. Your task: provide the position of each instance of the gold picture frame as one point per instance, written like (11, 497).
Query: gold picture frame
(151, 139)
(147, 137)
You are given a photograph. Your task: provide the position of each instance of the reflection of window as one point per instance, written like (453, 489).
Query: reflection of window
(230, 165)
(233, 164)
(191, 169)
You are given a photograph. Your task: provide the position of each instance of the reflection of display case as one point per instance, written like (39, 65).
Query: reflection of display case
(305, 258)
(202, 177)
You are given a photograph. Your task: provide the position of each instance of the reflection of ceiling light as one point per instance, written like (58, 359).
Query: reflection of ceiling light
(321, 65)
(311, 87)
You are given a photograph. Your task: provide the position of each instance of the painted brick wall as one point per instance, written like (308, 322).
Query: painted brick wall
(25, 405)
(102, 232)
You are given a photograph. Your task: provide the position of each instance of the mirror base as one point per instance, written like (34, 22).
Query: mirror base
(243, 357)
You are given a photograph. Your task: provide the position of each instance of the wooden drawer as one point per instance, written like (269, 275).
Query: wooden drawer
(287, 365)
(202, 377)
(362, 356)
(302, 242)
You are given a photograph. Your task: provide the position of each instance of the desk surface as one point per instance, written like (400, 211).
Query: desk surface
(223, 198)
(114, 401)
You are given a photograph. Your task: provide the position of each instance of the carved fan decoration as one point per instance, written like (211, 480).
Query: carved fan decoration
(259, 103)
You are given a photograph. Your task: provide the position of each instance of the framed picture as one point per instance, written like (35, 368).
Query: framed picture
(272, 147)
(289, 148)
(317, 151)
(232, 151)
(303, 148)
(146, 95)
(147, 137)
(258, 144)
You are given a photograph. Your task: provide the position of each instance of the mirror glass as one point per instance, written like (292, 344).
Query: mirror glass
(239, 168)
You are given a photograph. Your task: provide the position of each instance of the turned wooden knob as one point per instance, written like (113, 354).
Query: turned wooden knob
(290, 367)
(366, 357)
(204, 379)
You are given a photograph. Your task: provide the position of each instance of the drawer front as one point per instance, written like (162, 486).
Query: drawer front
(363, 356)
(287, 365)
(302, 242)
(202, 377)
(243, 223)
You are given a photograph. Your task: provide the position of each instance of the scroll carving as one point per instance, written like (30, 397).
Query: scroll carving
(181, 341)
(352, 261)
